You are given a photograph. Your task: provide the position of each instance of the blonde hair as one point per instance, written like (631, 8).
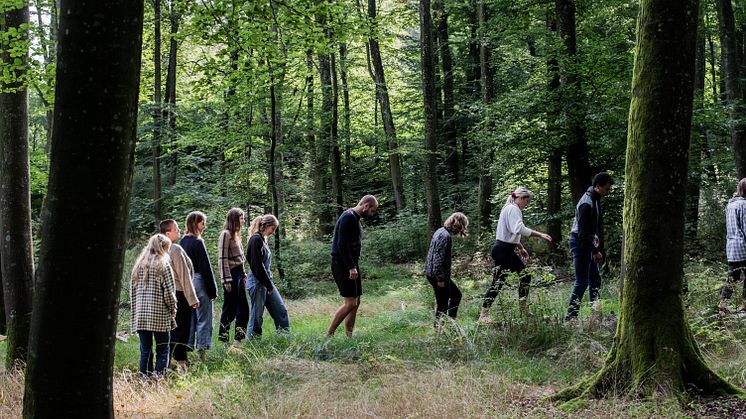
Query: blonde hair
(261, 222)
(154, 254)
(457, 223)
(520, 192)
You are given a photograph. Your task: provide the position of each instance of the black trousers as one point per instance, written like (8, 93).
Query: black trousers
(180, 335)
(736, 272)
(235, 307)
(447, 298)
(506, 260)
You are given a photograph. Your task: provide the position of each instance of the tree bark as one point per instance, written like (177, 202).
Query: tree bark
(274, 179)
(382, 95)
(577, 154)
(554, 162)
(169, 111)
(654, 352)
(484, 207)
(334, 138)
(346, 102)
(16, 246)
(432, 195)
(157, 115)
(449, 137)
(695, 145)
(322, 181)
(733, 85)
(89, 193)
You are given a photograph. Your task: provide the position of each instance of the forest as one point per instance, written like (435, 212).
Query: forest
(116, 116)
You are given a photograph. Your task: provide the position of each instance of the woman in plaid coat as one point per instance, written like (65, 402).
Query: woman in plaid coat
(153, 304)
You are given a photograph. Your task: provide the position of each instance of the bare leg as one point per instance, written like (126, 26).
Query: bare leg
(350, 304)
(351, 316)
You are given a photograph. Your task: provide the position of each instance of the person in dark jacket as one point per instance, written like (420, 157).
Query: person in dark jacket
(203, 281)
(585, 245)
(262, 291)
(346, 247)
(735, 247)
(438, 266)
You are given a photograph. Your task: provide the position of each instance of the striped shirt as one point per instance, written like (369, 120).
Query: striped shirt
(153, 300)
(230, 255)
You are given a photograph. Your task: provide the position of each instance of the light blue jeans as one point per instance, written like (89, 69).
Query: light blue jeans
(201, 329)
(261, 299)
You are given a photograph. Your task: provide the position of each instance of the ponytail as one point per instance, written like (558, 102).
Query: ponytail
(259, 223)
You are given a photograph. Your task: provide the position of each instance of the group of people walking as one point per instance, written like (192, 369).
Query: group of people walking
(173, 287)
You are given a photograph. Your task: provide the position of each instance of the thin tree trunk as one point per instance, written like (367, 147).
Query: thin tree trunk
(733, 85)
(346, 101)
(3, 323)
(713, 71)
(654, 352)
(449, 136)
(382, 95)
(169, 114)
(77, 292)
(695, 146)
(334, 137)
(274, 180)
(432, 195)
(157, 115)
(484, 207)
(554, 163)
(322, 182)
(577, 154)
(16, 246)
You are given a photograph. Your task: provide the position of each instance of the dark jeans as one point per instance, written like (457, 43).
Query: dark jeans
(586, 274)
(235, 307)
(506, 260)
(447, 298)
(736, 272)
(146, 352)
(180, 335)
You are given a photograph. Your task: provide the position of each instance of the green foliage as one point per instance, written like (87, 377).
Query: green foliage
(403, 239)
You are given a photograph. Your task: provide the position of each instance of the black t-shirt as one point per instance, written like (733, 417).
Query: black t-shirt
(346, 243)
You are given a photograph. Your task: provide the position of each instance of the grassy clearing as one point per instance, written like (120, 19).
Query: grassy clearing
(398, 365)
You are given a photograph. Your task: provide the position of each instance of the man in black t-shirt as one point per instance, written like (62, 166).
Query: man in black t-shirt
(346, 246)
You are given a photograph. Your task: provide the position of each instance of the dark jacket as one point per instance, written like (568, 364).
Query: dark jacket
(256, 249)
(346, 242)
(588, 219)
(438, 262)
(195, 249)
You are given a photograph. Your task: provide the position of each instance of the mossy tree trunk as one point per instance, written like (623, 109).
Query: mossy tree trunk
(16, 246)
(654, 351)
(71, 347)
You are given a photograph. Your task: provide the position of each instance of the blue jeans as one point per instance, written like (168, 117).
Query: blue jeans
(146, 352)
(260, 299)
(201, 329)
(586, 274)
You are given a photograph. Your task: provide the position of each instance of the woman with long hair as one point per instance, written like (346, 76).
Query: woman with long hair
(153, 304)
(231, 258)
(438, 266)
(510, 229)
(203, 281)
(262, 290)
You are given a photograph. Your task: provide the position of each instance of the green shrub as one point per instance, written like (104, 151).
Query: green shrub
(405, 239)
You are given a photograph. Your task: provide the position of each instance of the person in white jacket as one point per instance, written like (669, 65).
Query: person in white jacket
(510, 229)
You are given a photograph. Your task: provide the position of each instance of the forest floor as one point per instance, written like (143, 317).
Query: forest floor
(398, 365)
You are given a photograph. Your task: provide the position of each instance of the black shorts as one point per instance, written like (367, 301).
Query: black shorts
(347, 287)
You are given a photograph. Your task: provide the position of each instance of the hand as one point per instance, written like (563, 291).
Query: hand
(598, 257)
(195, 305)
(546, 237)
(524, 254)
(227, 286)
(441, 284)
(353, 273)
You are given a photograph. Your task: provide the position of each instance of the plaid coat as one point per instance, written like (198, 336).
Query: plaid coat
(153, 300)
(735, 225)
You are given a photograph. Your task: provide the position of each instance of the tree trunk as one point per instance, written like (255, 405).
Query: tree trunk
(695, 145)
(432, 195)
(346, 102)
(77, 292)
(3, 323)
(334, 138)
(654, 352)
(276, 138)
(484, 207)
(169, 114)
(450, 140)
(157, 115)
(554, 163)
(322, 181)
(713, 71)
(733, 87)
(578, 167)
(16, 246)
(382, 94)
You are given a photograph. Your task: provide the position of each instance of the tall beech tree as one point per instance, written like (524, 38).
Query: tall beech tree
(77, 292)
(382, 95)
(157, 114)
(654, 351)
(429, 94)
(448, 125)
(484, 207)
(16, 246)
